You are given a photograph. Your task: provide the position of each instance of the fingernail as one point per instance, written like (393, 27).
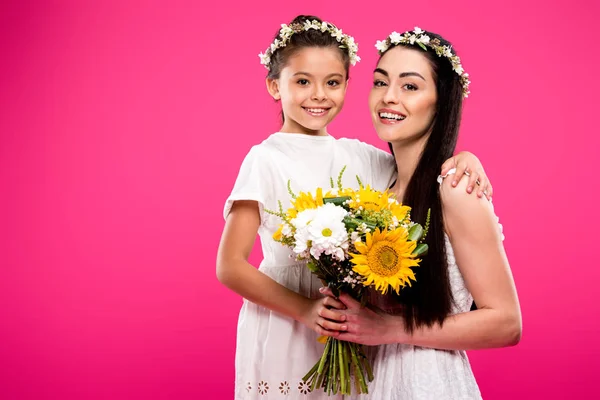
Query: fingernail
(344, 327)
(321, 289)
(453, 183)
(470, 189)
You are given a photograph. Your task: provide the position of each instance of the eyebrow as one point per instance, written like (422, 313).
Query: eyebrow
(402, 75)
(310, 75)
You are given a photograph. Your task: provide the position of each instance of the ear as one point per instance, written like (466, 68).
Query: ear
(273, 88)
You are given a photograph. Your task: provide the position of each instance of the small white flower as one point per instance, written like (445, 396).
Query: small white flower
(285, 31)
(264, 58)
(354, 237)
(324, 26)
(412, 39)
(275, 45)
(395, 37)
(381, 46)
(418, 30)
(424, 39)
(337, 34)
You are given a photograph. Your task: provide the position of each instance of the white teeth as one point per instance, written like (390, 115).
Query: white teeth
(391, 116)
(315, 110)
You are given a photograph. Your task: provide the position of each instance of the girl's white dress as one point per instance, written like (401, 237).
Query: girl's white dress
(273, 351)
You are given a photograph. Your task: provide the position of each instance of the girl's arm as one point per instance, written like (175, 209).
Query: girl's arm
(235, 272)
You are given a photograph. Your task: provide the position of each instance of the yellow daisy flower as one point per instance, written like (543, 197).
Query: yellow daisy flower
(278, 234)
(385, 259)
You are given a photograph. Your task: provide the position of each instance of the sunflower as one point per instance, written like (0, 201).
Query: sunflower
(369, 199)
(398, 210)
(305, 201)
(385, 259)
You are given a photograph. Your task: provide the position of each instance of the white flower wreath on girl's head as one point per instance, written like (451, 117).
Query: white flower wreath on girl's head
(286, 32)
(420, 38)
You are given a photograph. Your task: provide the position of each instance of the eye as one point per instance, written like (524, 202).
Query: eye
(333, 83)
(410, 87)
(379, 83)
(302, 82)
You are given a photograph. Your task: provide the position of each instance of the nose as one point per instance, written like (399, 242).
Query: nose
(318, 93)
(392, 95)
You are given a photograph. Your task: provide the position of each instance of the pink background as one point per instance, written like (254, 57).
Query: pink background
(122, 127)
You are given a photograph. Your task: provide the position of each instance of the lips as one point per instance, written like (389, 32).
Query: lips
(390, 117)
(316, 111)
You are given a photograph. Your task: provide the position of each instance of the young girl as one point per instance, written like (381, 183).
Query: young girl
(308, 65)
(426, 330)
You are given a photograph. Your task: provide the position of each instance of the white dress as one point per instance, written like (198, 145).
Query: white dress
(273, 351)
(405, 372)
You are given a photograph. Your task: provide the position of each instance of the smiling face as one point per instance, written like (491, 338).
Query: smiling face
(311, 87)
(403, 98)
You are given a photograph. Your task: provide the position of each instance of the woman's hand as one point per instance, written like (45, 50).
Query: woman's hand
(362, 324)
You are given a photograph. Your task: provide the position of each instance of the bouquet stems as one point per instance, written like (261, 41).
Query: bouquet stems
(341, 364)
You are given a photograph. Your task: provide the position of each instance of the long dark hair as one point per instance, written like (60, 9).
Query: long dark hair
(430, 300)
(301, 40)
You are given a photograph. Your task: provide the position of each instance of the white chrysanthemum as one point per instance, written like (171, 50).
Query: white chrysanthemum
(395, 37)
(301, 237)
(328, 233)
(286, 230)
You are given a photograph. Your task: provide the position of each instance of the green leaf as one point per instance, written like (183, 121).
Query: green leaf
(415, 232)
(422, 46)
(312, 266)
(338, 201)
(421, 249)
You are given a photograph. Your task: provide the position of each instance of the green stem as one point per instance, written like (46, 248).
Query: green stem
(367, 365)
(342, 366)
(324, 356)
(359, 374)
(330, 370)
(311, 372)
(335, 370)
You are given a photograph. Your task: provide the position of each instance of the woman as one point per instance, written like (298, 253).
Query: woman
(415, 104)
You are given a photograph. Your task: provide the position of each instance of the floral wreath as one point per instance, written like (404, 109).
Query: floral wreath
(419, 37)
(286, 32)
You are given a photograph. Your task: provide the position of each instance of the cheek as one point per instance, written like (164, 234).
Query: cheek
(373, 98)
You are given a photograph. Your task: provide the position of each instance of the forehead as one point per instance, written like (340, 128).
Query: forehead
(402, 59)
(317, 60)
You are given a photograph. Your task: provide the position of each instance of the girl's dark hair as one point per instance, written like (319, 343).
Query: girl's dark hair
(430, 300)
(300, 40)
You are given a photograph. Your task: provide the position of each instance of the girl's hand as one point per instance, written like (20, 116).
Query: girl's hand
(467, 164)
